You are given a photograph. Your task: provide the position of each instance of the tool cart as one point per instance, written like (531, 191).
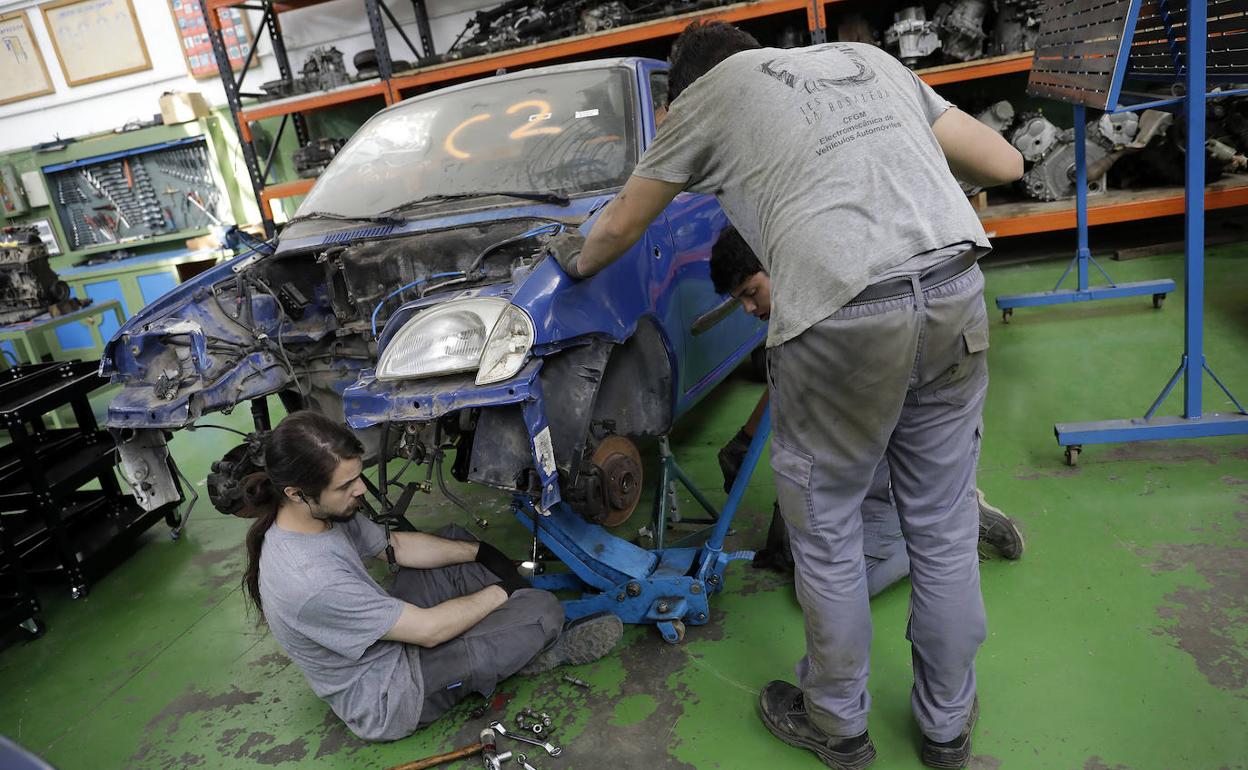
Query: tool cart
(63, 511)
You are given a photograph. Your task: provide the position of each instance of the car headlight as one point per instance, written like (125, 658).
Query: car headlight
(508, 346)
(444, 339)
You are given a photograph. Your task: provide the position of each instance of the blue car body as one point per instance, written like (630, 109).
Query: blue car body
(611, 356)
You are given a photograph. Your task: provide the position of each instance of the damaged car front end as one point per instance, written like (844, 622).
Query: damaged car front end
(413, 297)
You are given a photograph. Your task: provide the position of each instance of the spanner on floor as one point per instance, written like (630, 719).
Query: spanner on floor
(523, 761)
(552, 750)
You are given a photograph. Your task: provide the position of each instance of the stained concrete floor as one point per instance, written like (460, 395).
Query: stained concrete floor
(1119, 642)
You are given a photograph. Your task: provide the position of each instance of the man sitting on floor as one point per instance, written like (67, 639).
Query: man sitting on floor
(459, 619)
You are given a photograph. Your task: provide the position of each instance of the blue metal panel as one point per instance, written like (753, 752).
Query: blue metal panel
(153, 286)
(10, 352)
(103, 291)
(122, 154)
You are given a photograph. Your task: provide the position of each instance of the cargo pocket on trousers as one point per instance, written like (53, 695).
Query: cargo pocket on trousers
(959, 385)
(793, 469)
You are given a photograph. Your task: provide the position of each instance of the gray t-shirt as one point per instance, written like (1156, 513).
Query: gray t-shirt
(329, 615)
(824, 159)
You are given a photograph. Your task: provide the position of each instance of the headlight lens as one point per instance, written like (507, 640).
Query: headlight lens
(508, 346)
(442, 340)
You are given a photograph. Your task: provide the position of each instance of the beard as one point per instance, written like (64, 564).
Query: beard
(342, 516)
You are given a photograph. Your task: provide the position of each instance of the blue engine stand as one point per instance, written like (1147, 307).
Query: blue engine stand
(1077, 56)
(1083, 255)
(668, 587)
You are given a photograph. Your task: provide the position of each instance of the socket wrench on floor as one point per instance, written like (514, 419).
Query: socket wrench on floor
(552, 750)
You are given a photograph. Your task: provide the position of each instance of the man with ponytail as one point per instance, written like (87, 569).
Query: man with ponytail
(457, 620)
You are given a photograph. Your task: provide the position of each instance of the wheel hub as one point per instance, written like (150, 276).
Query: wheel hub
(619, 464)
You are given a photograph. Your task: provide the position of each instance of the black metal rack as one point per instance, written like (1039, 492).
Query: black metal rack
(51, 524)
(291, 110)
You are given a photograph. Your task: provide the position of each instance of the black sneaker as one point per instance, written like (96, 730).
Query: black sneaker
(783, 710)
(954, 754)
(998, 530)
(582, 641)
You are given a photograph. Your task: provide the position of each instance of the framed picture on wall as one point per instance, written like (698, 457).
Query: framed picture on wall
(47, 235)
(193, 33)
(23, 73)
(95, 39)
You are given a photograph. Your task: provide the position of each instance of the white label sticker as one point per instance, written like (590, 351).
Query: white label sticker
(544, 448)
(586, 113)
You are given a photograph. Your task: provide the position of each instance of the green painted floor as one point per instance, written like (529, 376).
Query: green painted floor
(1120, 641)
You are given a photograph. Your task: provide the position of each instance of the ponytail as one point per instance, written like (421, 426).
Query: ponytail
(260, 499)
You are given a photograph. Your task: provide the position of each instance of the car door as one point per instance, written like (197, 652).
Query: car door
(695, 222)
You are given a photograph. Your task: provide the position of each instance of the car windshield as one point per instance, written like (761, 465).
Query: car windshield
(564, 132)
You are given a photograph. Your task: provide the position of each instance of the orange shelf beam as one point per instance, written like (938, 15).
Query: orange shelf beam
(582, 44)
(973, 70)
(315, 101)
(1049, 217)
(283, 190)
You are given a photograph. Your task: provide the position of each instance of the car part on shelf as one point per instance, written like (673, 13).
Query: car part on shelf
(526, 22)
(1034, 136)
(911, 35)
(28, 284)
(323, 70)
(1017, 26)
(311, 159)
(961, 28)
(1053, 177)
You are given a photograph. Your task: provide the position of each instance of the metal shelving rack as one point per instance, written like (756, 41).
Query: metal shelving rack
(1000, 220)
(291, 109)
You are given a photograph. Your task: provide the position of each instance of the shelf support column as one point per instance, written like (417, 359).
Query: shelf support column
(234, 100)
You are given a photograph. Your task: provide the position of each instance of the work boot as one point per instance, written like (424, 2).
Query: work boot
(777, 554)
(954, 754)
(582, 641)
(783, 710)
(732, 456)
(998, 530)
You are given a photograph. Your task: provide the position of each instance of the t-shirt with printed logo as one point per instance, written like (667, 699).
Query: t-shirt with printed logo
(824, 159)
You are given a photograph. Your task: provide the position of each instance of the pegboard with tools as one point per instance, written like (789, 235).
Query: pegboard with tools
(128, 196)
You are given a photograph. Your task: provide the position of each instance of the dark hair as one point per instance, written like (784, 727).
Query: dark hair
(302, 452)
(732, 261)
(699, 48)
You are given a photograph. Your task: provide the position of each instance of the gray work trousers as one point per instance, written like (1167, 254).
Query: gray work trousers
(882, 542)
(489, 652)
(901, 379)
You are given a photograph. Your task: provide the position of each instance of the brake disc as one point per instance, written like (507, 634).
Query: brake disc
(619, 464)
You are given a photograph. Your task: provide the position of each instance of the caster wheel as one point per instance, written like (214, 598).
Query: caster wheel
(175, 535)
(1005, 315)
(1159, 300)
(677, 633)
(1072, 455)
(34, 627)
